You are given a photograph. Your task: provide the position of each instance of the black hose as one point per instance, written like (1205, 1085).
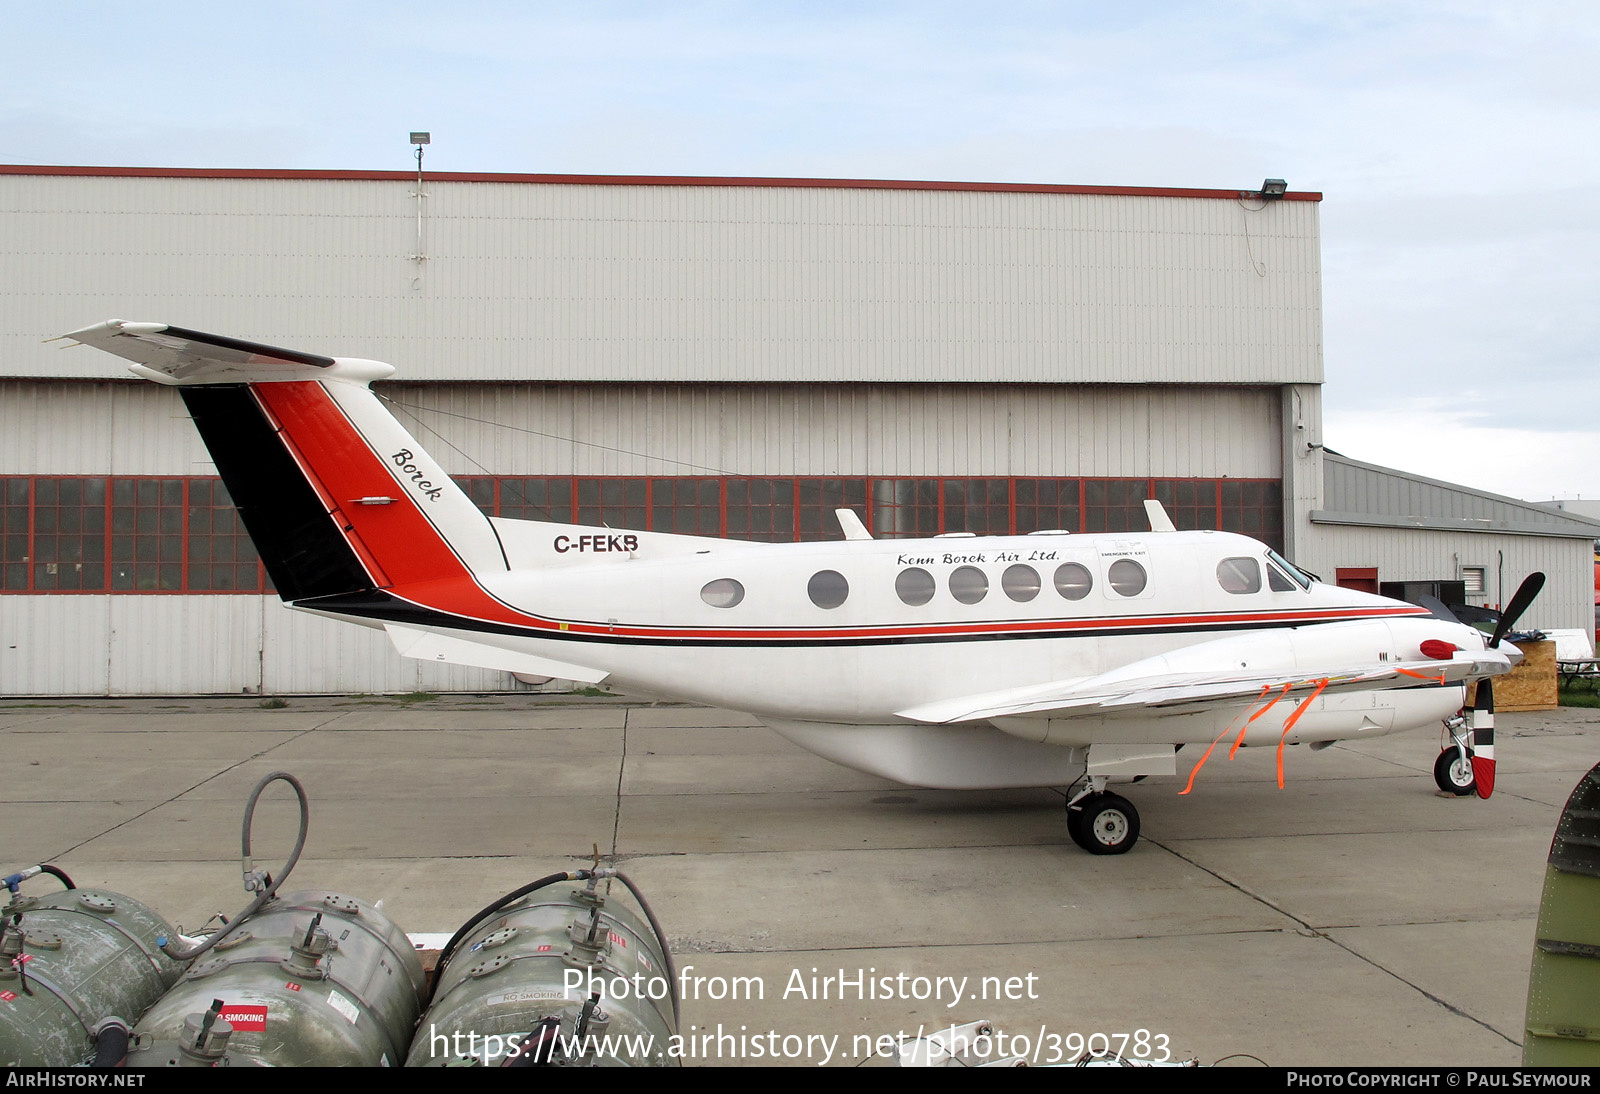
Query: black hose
(57, 872)
(578, 875)
(268, 884)
(661, 940)
(466, 928)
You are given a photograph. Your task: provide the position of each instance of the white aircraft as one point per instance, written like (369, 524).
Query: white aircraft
(960, 662)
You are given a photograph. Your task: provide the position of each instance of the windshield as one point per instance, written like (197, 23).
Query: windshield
(1301, 577)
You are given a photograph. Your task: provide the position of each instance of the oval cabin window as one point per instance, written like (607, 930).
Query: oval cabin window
(1127, 577)
(915, 586)
(1021, 583)
(968, 584)
(724, 592)
(1073, 581)
(828, 588)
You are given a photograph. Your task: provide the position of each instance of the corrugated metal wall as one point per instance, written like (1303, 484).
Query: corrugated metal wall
(1355, 487)
(1414, 555)
(899, 429)
(91, 644)
(539, 281)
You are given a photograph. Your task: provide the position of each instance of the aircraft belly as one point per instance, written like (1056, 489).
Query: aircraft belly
(939, 757)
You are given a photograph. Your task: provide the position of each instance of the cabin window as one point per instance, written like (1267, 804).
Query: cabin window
(1020, 582)
(724, 592)
(915, 586)
(1073, 581)
(968, 584)
(828, 588)
(1239, 575)
(1127, 577)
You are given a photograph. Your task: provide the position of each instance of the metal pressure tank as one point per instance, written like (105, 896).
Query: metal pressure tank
(520, 989)
(70, 960)
(311, 979)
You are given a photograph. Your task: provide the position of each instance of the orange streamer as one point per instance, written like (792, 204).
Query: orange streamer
(1289, 724)
(1420, 675)
(1225, 731)
(1257, 714)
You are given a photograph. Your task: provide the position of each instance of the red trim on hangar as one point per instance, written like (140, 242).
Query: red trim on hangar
(638, 180)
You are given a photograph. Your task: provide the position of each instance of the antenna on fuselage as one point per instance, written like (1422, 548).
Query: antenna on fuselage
(1159, 521)
(853, 528)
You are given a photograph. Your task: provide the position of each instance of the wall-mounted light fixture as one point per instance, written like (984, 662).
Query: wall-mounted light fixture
(420, 139)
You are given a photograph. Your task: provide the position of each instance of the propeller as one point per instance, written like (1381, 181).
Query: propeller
(1483, 700)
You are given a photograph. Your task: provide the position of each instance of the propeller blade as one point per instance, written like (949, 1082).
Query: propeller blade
(1519, 603)
(1438, 608)
(1483, 737)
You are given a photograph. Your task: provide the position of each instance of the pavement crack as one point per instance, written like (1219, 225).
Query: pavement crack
(189, 790)
(622, 767)
(1309, 930)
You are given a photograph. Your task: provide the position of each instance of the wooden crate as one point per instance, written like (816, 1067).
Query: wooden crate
(1531, 685)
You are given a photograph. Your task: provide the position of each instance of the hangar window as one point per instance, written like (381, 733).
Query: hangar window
(724, 592)
(1073, 582)
(1020, 582)
(968, 584)
(915, 586)
(1239, 575)
(827, 588)
(1127, 577)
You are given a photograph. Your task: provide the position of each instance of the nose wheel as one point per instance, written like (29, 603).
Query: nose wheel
(1453, 772)
(1103, 823)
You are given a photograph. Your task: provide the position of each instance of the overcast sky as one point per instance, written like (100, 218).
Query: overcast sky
(1456, 144)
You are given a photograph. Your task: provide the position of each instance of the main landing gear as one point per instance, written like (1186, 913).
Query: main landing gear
(1452, 771)
(1102, 823)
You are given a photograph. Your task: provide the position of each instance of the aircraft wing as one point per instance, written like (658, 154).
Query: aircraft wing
(1130, 691)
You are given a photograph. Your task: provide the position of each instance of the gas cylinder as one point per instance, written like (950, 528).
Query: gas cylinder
(69, 960)
(311, 979)
(563, 976)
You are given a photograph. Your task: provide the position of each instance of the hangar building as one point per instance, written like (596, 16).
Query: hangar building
(728, 356)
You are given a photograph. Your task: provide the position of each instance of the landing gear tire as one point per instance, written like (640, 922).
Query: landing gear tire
(1453, 774)
(1104, 824)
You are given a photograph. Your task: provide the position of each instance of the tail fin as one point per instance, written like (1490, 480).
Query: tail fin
(337, 496)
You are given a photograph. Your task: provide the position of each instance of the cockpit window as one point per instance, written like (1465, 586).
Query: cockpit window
(1299, 576)
(1239, 575)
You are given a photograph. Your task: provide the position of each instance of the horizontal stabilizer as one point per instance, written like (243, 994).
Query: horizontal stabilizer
(175, 355)
(430, 646)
